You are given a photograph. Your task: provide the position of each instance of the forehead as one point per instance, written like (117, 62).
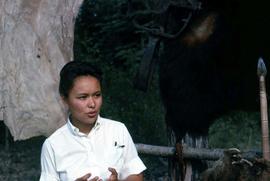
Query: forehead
(86, 83)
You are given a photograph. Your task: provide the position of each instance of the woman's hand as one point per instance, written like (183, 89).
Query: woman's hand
(86, 177)
(114, 175)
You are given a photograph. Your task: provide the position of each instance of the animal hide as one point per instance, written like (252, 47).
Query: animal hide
(36, 41)
(233, 167)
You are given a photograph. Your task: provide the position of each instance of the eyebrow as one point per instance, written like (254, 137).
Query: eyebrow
(97, 92)
(82, 93)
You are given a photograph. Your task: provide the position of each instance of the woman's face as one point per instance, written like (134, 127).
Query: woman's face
(84, 102)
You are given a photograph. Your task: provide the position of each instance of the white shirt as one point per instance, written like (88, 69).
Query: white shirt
(69, 154)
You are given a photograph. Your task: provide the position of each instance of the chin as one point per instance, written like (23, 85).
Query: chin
(91, 120)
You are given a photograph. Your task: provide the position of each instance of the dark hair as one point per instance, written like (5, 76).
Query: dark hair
(74, 69)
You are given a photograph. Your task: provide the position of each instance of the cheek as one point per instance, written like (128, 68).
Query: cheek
(76, 106)
(100, 103)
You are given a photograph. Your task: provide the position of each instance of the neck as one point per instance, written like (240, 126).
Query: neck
(84, 128)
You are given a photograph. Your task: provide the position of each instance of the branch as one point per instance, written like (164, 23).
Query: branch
(160, 32)
(192, 153)
(182, 4)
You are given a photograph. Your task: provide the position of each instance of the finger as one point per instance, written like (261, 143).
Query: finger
(113, 171)
(96, 178)
(114, 175)
(84, 178)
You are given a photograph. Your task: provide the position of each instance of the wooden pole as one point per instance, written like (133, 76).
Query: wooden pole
(261, 71)
(191, 153)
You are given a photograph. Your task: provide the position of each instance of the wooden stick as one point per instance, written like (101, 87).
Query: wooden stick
(191, 153)
(261, 71)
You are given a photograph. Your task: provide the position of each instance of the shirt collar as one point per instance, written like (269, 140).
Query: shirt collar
(74, 130)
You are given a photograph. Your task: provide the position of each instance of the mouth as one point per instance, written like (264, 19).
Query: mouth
(91, 114)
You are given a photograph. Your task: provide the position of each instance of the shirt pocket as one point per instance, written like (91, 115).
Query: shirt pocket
(114, 157)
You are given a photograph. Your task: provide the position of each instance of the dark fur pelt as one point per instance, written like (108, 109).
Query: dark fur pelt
(211, 68)
(232, 167)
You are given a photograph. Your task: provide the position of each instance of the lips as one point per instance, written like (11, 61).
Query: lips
(91, 114)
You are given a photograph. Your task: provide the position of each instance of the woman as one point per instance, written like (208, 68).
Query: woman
(88, 147)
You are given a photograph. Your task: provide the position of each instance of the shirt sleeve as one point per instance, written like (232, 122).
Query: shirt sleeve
(48, 167)
(132, 162)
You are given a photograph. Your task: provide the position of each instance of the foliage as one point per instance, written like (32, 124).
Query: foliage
(238, 129)
(104, 33)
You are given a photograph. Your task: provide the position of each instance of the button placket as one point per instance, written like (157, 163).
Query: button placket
(89, 147)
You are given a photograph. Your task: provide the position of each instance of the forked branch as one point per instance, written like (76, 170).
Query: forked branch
(159, 32)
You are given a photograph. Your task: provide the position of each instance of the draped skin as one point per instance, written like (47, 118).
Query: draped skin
(36, 40)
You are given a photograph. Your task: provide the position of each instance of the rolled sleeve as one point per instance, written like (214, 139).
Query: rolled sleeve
(135, 166)
(132, 164)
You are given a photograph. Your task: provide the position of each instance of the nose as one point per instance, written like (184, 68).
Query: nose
(91, 103)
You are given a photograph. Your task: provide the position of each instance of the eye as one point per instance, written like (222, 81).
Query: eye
(98, 94)
(82, 97)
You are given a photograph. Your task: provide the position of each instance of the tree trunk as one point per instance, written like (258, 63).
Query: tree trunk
(36, 41)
